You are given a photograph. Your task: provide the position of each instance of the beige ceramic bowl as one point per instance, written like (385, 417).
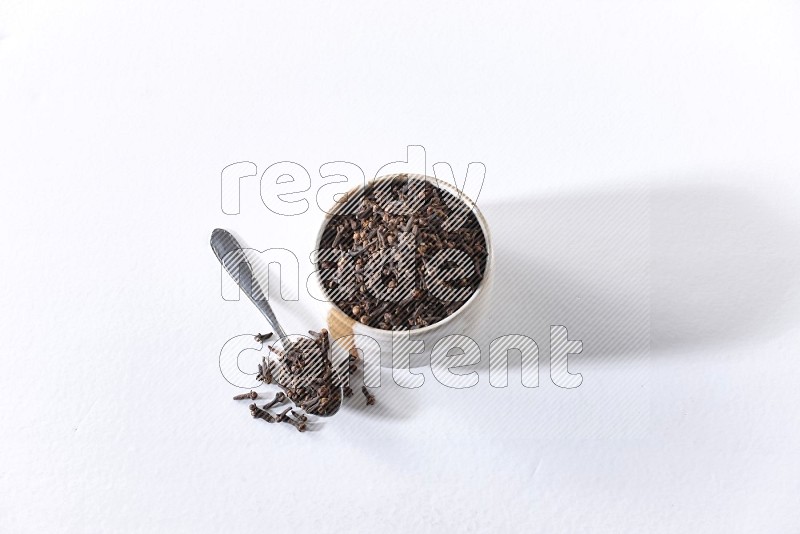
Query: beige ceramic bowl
(464, 321)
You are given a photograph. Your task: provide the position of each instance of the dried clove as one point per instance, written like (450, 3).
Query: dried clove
(281, 416)
(279, 397)
(258, 413)
(369, 396)
(265, 371)
(261, 338)
(299, 425)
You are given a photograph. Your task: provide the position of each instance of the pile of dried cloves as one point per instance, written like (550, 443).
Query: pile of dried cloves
(304, 370)
(383, 256)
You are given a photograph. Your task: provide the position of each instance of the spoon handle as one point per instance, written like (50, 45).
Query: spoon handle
(230, 254)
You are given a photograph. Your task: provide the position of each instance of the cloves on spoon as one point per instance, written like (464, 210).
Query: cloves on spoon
(230, 254)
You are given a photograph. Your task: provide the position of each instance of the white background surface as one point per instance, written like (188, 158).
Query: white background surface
(115, 122)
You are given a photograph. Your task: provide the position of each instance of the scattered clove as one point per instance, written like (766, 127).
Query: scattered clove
(279, 397)
(258, 413)
(369, 396)
(261, 338)
(283, 415)
(299, 425)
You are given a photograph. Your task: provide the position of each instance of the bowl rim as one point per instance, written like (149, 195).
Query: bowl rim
(462, 197)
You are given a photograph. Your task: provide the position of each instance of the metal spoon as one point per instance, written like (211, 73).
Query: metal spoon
(230, 254)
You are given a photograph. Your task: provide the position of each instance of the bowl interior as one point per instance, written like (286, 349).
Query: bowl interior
(462, 198)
